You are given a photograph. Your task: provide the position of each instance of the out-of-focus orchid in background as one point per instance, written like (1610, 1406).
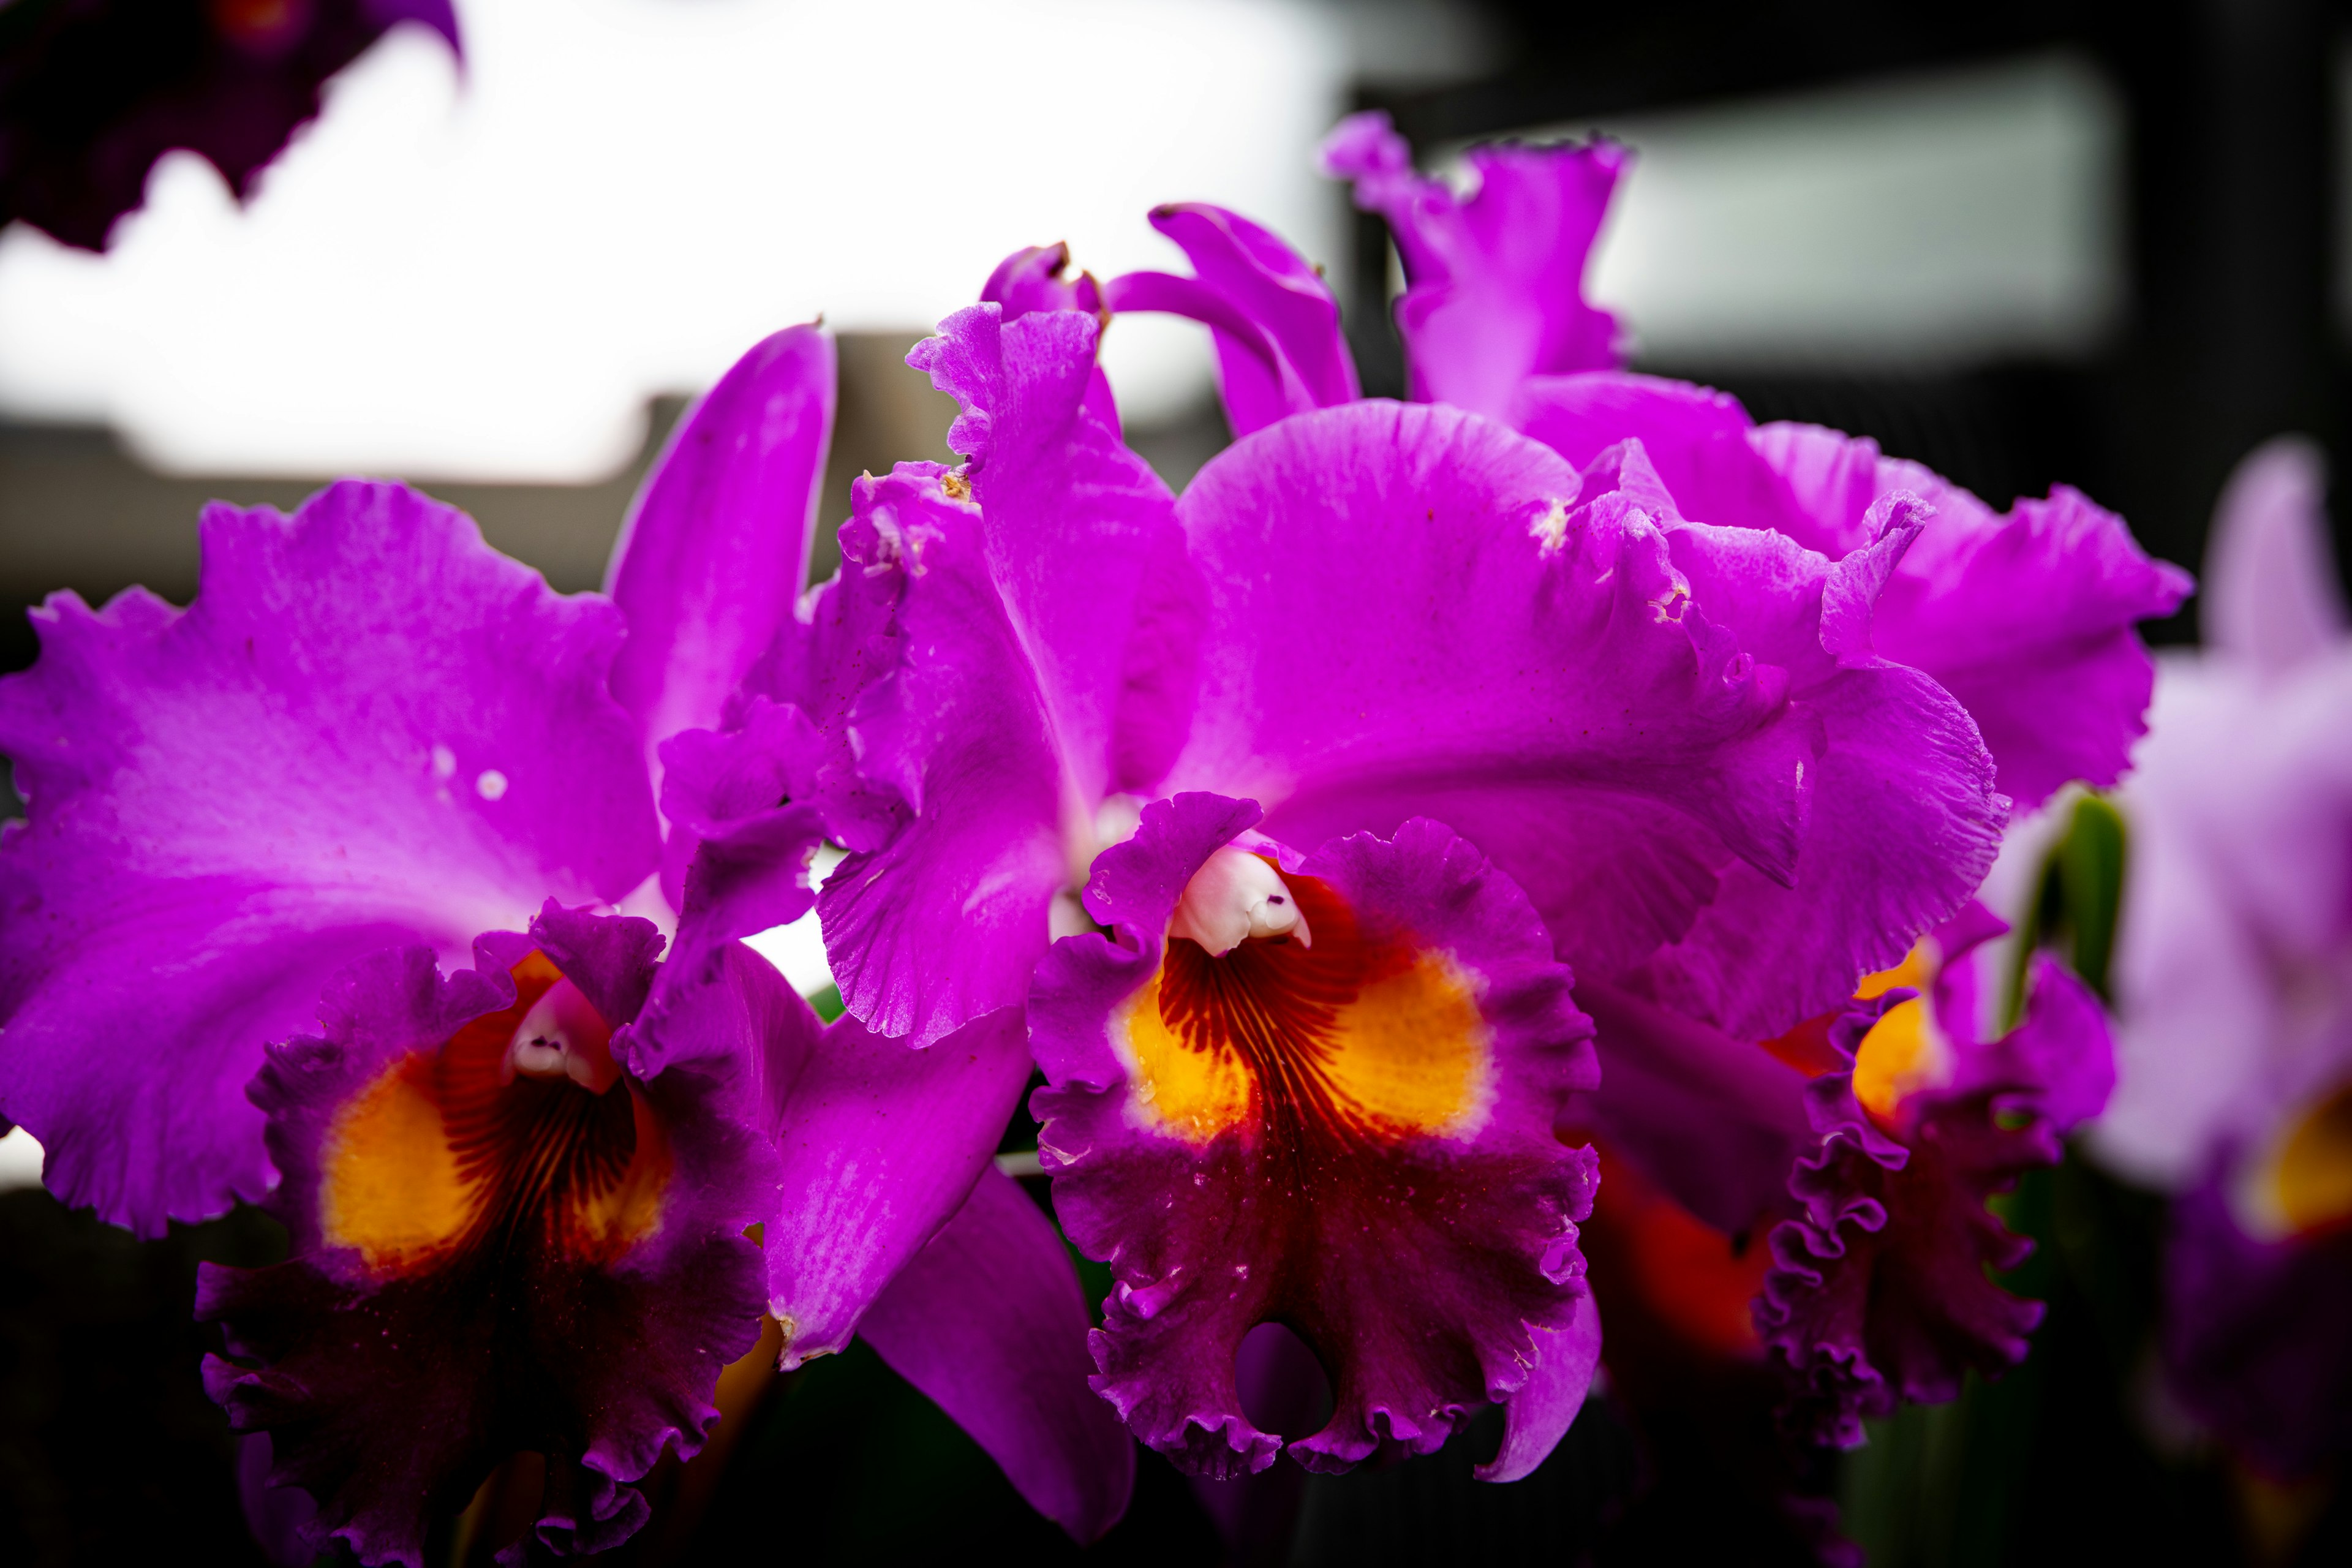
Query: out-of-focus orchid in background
(2233, 980)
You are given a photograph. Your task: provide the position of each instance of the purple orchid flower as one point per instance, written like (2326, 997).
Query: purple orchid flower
(2233, 980)
(372, 740)
(93, 93)
(2027, 618)
(1879, 1290)
(1325, 775)
(1806, 556)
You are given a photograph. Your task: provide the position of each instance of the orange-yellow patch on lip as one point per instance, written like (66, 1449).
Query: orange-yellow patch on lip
(451, 1151)
(1905, 1050)
(2300, 1184)
(1354, 1038)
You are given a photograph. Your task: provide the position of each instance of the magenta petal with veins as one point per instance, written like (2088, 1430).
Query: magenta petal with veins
(1353, 1138)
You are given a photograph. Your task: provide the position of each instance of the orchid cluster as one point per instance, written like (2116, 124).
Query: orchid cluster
(1467, 870)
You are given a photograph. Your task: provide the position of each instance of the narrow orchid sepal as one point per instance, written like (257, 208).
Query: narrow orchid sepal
(988, 1321)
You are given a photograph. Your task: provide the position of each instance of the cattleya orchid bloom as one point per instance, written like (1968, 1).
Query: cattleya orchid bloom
(93, 94)
(1879, 1290)
(1878, 1229)
(1239, 793)
(2233, 980)
(519, 1192)
(1476, 718)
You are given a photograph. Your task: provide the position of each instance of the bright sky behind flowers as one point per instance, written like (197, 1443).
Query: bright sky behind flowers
(486, 276)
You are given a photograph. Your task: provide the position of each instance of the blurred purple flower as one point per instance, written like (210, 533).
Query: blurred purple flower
(2233, 978)
(93, 91)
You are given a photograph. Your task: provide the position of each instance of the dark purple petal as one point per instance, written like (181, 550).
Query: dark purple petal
(2253, 1335)
(1367, 1156)
(1277, 327)
(1712, 1121)
(93, 94)
(989, 1322)
(1495, 280)
(484, 1260)
(1879, 1292)
(1545, 1406)
(715, 550)
(369, 729)
(275, 1515)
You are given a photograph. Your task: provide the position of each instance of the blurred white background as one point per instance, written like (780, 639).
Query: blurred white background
(484, 272)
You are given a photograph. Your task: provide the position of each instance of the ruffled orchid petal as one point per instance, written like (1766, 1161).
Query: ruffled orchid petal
(1410, 610)
(1072, 518)
(1542, 1409)
(1035, 280)
(1879, 1290)
(749, 801)
(988, 1321)
(370, 729)
(1878, 1295)
(715, 549)
(843, 641)
(1048, 627)
(1695, 438)
(1495, 279)
(2272, 596)
(1279, 347)
(1375, 1110)
(471, 1248)
(2026, 618)
(959, 731)
(2058, 1062)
